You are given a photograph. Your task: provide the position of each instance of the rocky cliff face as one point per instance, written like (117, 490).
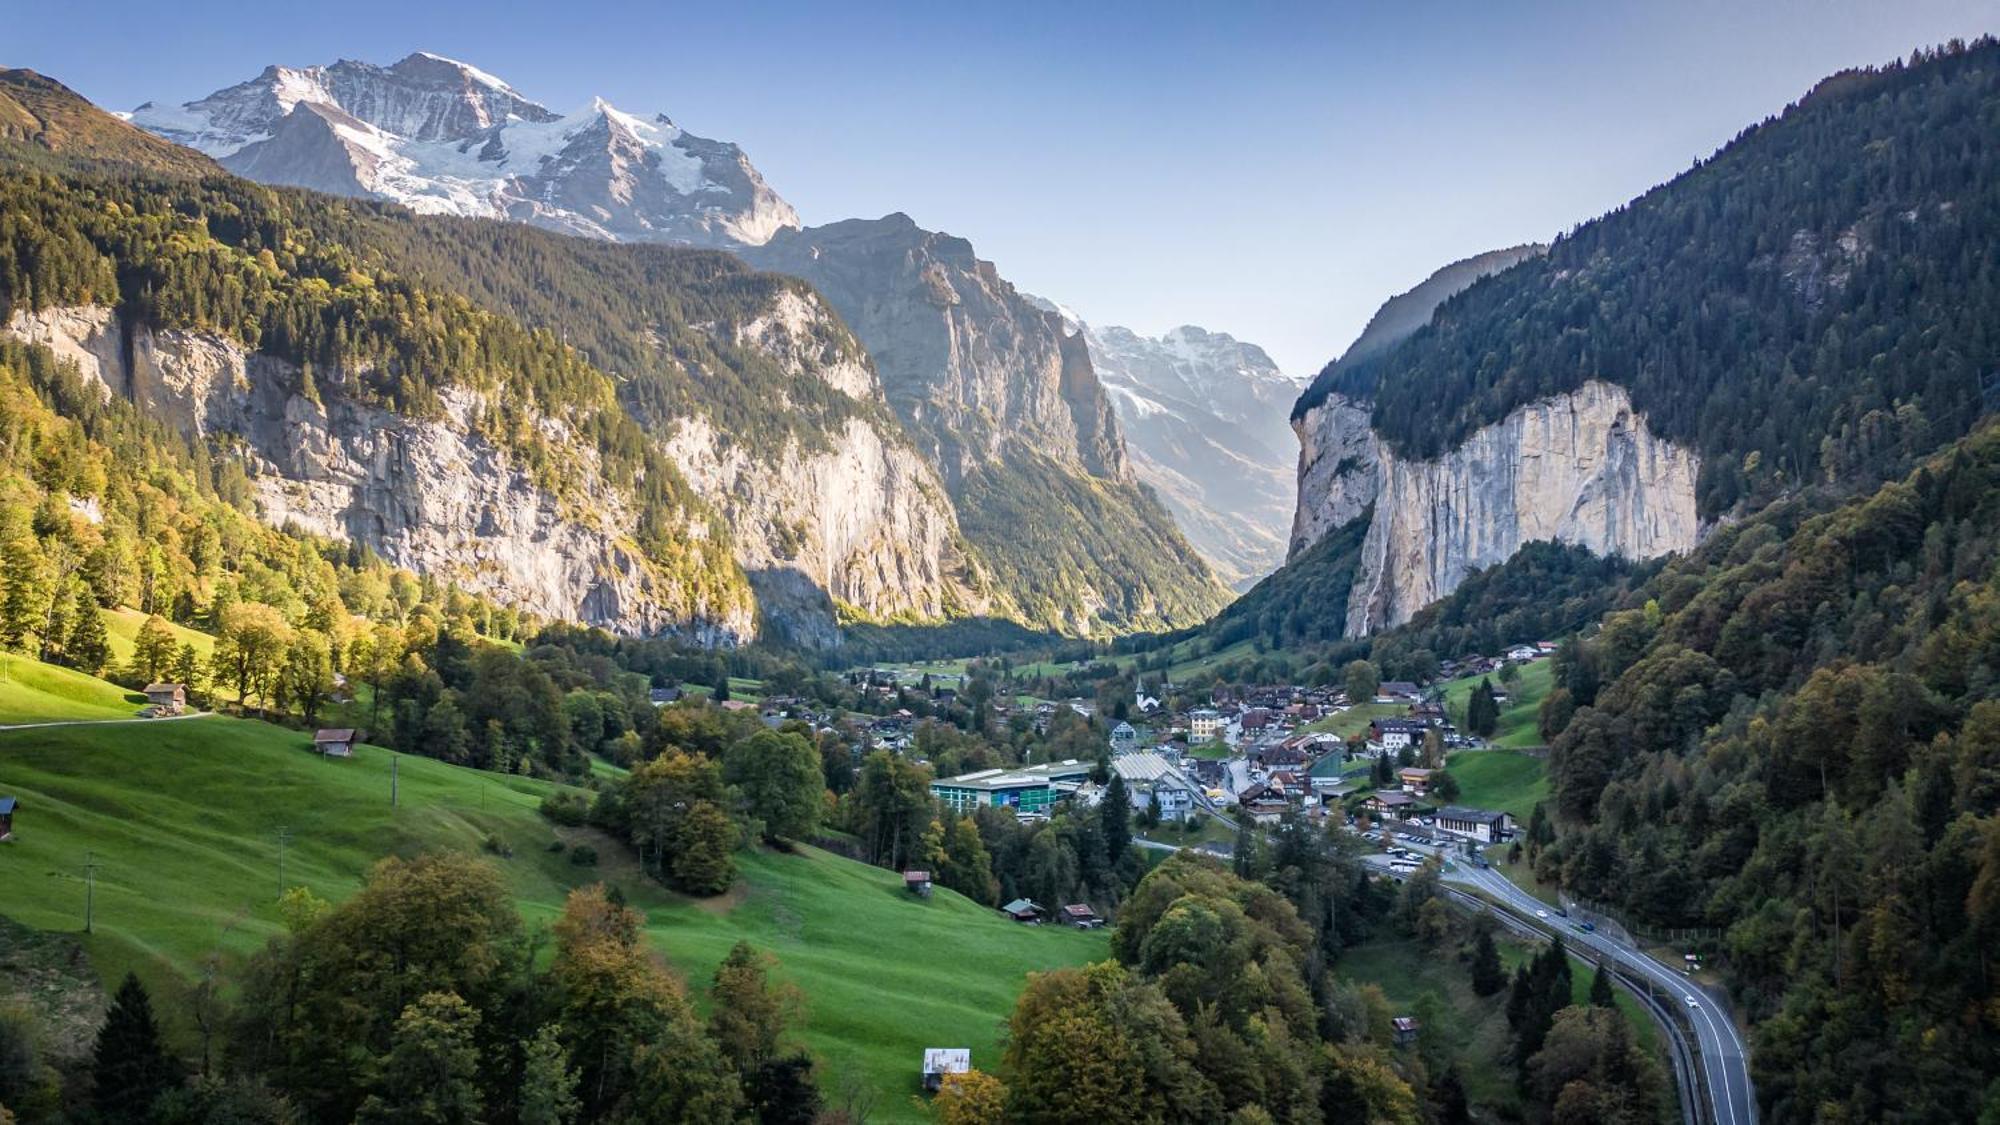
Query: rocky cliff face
(968, 362)
(427, 495)
(1338, 469)
(444, 137)
(1008, 407)
(1579, 468)
(862, 524)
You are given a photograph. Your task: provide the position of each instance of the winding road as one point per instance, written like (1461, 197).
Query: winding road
(1725, 1057)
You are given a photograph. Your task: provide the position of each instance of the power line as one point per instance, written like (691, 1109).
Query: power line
(284, 837)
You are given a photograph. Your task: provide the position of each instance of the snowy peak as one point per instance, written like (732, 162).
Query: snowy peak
(444, 137)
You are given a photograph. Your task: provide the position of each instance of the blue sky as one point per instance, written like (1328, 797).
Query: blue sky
(1270, 170)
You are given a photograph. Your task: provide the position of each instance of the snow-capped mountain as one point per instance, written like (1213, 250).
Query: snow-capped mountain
(1205, 420)
(443, 137)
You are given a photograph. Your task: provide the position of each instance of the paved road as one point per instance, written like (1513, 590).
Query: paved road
(106, 722)
(1725, 1057)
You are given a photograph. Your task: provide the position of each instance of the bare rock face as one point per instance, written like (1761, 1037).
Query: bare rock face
(428, 495)
(857, 524)
(1339, 470)
(1579, 468)
(966, 360)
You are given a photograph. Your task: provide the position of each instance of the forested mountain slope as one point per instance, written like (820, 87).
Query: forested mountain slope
(1815, 301)
(631, 436)
(1797, 740)
(1811, 307)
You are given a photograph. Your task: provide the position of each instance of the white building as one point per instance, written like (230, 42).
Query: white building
(1206, 725)
(1148, 776)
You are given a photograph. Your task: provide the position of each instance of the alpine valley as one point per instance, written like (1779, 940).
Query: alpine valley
(869, 450)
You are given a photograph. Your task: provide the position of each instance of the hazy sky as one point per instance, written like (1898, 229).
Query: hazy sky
(1270, 170)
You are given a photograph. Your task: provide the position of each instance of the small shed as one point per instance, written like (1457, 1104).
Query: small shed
(1021, 910)
(335, 743)
(1080, 915)
(940, 1061)
(1406, 1028)
(169, 699)
(917, 883)
(7, 807)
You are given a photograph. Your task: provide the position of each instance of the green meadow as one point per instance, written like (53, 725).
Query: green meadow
(182, 823)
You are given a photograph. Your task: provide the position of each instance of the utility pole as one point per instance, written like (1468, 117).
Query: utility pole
(90, 866)
(394, 761)
(284, 837)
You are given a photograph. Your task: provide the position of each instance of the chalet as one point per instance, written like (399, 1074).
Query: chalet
(737, 705)
(334, 743)
(7, 807)
(1021, 910)
(917, 883)
(1389, 804)
(1124, 738)
(1521, 654)
(1080, 915)
(661, 696)
(1285, 755)
(167, 699)
(1415, 779)
(1406, 1029)
(1429, 711)
(1398, 691)
(1263, 803)
(940, 1061)
(1394, 734)
(1256, 719)
(1480, 824)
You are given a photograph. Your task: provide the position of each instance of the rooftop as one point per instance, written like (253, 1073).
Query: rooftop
(1476, 816)
(1019, 777)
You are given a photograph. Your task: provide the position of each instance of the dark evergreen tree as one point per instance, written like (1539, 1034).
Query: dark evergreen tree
(1488, 975)
(1601, 995)
(130, 1067)
(1114, 814)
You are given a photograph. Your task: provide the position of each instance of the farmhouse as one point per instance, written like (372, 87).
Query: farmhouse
(1406, 1028)
(334, 743)
(917, 883)
(1480, 824)
(1415, 779)
(1021, 910)
(167, 699)
(1080, 915)
(940, 1061)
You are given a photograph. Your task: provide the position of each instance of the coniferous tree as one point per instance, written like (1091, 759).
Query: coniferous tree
(1601, 995)
(1488, 975)
(1482, 712)
(88, 648)
(1115, 817)
(548, 1082)
(129, 1065)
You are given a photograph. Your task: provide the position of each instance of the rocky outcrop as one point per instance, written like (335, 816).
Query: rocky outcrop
(1338, 469)
(429, 495)
(1579, 468)
(967, 361)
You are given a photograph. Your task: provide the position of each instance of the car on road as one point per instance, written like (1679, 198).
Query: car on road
(1542, 914)
(1693, 1003)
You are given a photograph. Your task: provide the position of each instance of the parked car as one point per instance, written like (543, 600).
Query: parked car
(1542, 914)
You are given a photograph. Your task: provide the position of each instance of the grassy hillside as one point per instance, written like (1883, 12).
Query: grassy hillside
(1500, 779)
(1519, 727)
(182, 819)
(33, 692)
(121, 626)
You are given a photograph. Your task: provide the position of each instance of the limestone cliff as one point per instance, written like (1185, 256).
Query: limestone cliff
(1579, 468)
(860, 523)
